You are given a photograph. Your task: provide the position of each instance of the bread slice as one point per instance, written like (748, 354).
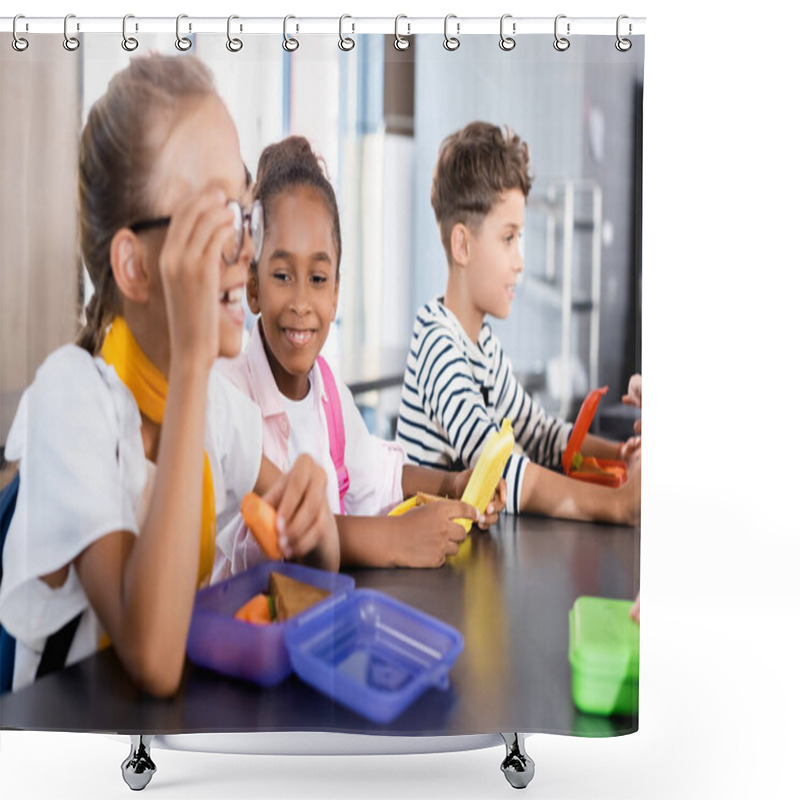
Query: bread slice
(292, 597)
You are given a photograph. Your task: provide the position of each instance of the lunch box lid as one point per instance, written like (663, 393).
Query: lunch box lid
(603, 639)
(371, 652)
(581, 426)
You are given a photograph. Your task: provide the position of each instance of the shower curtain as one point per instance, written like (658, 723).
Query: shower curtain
(377, 112)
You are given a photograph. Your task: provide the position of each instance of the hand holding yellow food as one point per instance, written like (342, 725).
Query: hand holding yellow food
(488, 470)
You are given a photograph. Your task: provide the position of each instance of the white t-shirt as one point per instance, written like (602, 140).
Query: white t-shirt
(306, 434)
(83, 474)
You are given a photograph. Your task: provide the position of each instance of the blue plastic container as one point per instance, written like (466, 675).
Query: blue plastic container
(371, 652)
(219, 641)
(360, 647)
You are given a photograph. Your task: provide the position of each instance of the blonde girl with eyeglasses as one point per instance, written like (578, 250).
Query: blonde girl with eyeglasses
(131, 450)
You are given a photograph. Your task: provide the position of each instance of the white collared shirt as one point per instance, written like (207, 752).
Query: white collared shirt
(83, 474)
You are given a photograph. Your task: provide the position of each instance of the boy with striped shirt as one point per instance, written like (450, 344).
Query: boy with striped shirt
(459, 384)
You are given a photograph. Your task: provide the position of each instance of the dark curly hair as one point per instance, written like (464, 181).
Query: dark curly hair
(290, 163)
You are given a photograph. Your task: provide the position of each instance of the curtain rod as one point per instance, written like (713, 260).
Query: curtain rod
(348, 25)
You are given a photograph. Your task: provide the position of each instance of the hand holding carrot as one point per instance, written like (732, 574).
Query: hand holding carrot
(304, 521)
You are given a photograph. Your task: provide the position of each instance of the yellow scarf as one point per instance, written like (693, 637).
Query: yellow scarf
(149, 388)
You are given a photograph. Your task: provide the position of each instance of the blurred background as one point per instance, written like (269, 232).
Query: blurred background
(377, 116)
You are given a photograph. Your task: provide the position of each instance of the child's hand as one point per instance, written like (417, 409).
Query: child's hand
(304, 519)
(630, 451)
(634, 395)
(634, 398)
(629, 496)
(635, 610)
(458, 486)
(427, 534)
(190, 264)
(496, 505)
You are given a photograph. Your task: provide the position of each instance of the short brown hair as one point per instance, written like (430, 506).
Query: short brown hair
(475, 166)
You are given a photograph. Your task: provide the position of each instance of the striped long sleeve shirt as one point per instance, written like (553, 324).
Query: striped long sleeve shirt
(455, 393)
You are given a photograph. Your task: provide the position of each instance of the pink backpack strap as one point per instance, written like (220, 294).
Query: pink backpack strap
(335, 421)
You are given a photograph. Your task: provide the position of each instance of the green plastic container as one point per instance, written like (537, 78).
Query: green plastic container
(604, 655)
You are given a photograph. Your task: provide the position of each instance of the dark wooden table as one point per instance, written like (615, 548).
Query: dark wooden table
(510, 598)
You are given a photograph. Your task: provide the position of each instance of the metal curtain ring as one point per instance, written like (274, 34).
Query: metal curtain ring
(346, 43)
(70, 42)
(507, 42)
(561, 43)
(290, 44)
(623, 45)
(400, 42)
(18, 43)
(451, 42)
(183, 43)
(129, 43)
(233, 44)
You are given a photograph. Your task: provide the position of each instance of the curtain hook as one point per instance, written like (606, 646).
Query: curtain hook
(183, 43)
(70, 43)
(233, 44)
(623, 45)
(18, 43)
(346, 43)
(507, 42)
(290, 44)
(451, 43)
(561, 43)
(129, 43)
(401, 42)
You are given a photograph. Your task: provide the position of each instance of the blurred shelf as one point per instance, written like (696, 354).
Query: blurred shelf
(550, 291)
(564, 204)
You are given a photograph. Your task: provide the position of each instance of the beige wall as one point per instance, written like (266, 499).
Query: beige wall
(39, 130)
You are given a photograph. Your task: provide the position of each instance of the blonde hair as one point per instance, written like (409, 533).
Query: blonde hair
(118, 150)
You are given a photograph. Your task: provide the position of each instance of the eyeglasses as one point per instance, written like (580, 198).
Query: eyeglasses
(253, 220)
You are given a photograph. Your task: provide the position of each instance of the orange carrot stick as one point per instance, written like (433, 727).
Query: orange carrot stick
(260, 518)
(255, 610)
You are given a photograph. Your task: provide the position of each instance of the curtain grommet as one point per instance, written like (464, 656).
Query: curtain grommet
(507, 43)
(182, 43)
(401, 42)
(290, 43)
(451, 43)
(19, 43)
(346, 43)
(129, 43)
(622, 44)
(233, 44)
(70, 43)
(561, 43)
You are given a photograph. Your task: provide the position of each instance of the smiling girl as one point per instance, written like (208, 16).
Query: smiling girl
(294, 287)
